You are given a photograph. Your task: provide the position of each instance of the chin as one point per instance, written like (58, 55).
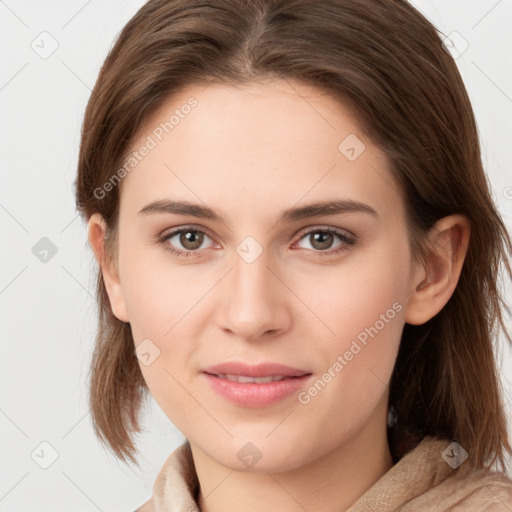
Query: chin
(260, 454)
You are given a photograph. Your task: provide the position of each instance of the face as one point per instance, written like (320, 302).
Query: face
(256, 276)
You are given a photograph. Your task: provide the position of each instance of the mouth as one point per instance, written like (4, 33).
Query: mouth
(255, 385)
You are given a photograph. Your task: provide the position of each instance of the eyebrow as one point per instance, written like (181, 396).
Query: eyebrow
(296, 213)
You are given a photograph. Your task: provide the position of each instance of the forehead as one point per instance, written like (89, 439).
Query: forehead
(260, 146)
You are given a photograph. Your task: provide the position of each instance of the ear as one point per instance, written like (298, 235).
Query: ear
(96, 231)
(434, 283)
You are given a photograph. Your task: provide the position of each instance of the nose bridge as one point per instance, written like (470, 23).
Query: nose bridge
(253, 304)
(251, 278)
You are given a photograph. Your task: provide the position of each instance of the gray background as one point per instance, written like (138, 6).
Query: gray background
(47, 308)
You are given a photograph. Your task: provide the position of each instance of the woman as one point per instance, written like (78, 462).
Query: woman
(299, 258)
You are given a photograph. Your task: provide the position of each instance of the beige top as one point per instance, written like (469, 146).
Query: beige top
(421, 480)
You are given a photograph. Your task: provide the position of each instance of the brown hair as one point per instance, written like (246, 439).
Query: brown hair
(386, 62)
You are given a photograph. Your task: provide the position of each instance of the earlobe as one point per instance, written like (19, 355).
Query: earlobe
(434, 283)
(96, 231)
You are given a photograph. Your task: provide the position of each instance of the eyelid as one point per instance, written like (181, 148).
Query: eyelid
(325, 227)
(192, 227)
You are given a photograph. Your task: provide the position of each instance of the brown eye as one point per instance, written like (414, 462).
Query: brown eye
(327, 241)
(191, 240)
(321, 240)
(185, 241)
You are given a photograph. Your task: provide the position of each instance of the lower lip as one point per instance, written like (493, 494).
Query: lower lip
(251, 394)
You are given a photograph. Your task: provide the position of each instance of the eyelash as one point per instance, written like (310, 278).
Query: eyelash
(348, 242)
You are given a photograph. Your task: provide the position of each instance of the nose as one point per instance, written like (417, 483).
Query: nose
(255, 302)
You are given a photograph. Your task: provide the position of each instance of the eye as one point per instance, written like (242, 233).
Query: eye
(187, 241)
(184, 241)
(324, 241)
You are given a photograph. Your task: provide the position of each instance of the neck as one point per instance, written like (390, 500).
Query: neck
(330, 483)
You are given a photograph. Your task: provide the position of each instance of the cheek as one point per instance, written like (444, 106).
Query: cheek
(363, 306)
(353, 296)
(173, 391)
(163, 302)
(158, 292)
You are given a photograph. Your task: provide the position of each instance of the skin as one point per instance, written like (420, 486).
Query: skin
(249, 152)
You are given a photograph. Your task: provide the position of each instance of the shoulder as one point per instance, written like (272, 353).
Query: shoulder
(147, 507)
(469, 491)
(423, 480)
(485, 491)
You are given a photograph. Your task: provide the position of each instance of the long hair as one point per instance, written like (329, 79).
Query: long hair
(387, 63)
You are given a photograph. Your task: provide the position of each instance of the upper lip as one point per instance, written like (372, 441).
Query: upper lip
(254, 370)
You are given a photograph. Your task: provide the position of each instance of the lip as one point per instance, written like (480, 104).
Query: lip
(250, 394)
